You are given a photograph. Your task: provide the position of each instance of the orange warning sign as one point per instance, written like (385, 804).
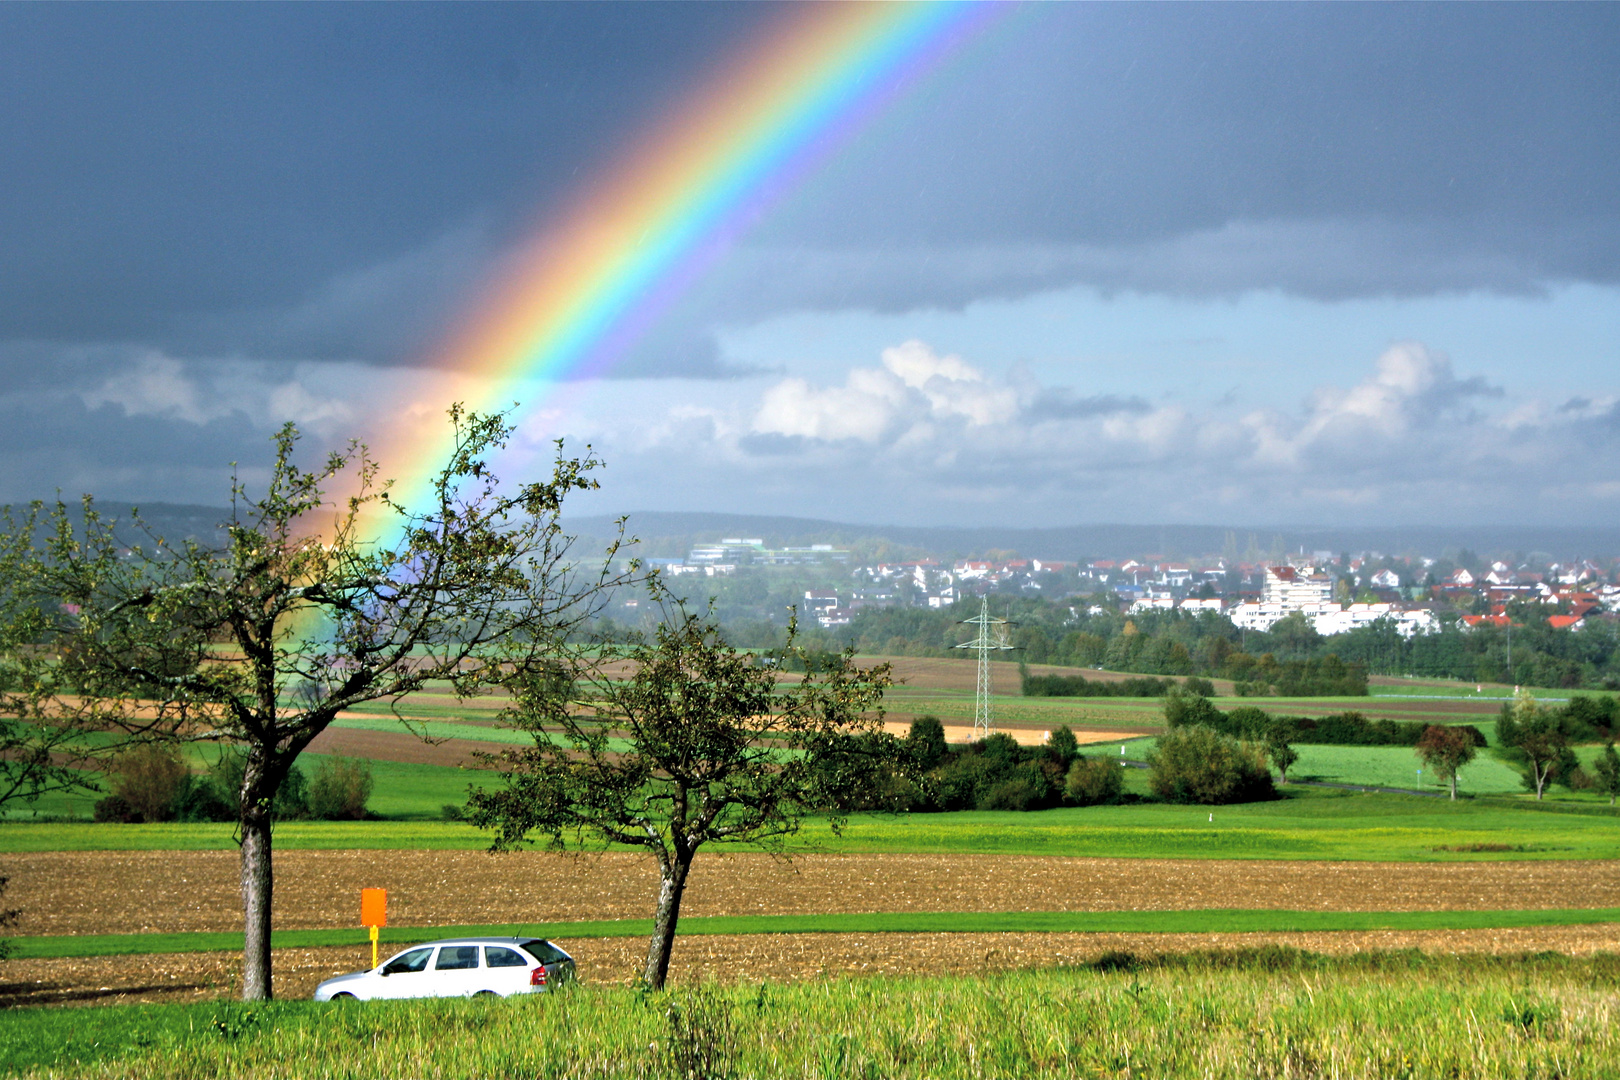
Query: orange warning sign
(373, 907)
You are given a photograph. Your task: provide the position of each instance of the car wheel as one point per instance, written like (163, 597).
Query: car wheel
(486, 994)
(344, 996)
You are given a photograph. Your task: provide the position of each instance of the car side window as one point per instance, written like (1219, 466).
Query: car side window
(415, 960)
(495, 956)
(457, 957)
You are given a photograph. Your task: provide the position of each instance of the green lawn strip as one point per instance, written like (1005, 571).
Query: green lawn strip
(435, 729)
(1311, 823)
(943, 922)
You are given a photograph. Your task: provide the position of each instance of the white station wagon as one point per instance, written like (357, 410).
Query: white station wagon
(457, 967)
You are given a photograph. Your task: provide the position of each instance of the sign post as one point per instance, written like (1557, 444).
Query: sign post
(373, 915)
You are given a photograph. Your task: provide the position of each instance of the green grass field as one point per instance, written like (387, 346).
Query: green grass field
(908, 922)
(1397, 766)
(1223, 1016)
(1308, 824)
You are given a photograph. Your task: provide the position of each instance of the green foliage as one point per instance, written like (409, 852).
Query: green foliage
(225, 776)
(1063, 745)
(1207, 644)
(1309, 824)
(340, 789)
(1182, 709)
(151, 783)
(1325, 676)
(1214, 1015)
(1607, 768)
(1200, 765)
(1080, 686)
(150, 778)
(1281, 754)
(700, 1036)
(1094, 781)
(49, 732)
(714, 748)
(996, 774)
(1445, 750)
(1536, 735)
(925, 742)
(1335, 729)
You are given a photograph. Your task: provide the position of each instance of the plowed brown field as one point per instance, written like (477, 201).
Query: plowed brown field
(168, 892)
(744, 958)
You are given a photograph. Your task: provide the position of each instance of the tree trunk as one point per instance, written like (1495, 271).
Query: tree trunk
(257, 796)
(669, 912)
(256, 892)
(1453, 787)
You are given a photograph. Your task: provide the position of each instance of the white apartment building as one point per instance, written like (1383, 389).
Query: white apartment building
(1295, 588)
(1328, 619)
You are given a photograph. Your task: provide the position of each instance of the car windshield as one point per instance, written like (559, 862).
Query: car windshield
(415, 960)
(544, 951)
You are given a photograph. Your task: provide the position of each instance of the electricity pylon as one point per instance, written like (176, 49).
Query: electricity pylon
(982, 717)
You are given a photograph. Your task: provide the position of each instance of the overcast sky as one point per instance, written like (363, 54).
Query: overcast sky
(1227, 264)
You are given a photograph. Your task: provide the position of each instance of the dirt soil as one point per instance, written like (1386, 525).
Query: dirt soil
(1024, 736)
(401, 746)
(176, 891)
(744, 958)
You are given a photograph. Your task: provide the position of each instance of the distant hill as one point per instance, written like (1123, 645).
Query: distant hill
(672, 534)
(172, 521)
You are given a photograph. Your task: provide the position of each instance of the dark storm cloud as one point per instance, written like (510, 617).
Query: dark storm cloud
(324, 181)
(189, 174)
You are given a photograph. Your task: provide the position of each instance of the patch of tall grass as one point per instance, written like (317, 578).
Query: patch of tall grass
(1270, 1012)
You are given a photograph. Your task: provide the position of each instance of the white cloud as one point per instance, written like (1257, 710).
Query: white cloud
(314, 396)
(915, 385)
(153, 385)
(927, 436)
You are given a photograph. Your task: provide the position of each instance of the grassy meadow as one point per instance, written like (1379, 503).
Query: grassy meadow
(1263, 1013)
(1189, 921)
(1308, 823)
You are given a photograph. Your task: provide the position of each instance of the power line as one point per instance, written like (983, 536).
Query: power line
(982, 716)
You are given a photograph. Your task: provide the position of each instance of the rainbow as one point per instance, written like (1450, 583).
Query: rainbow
(585, 287)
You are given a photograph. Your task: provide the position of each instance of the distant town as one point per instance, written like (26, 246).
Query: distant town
(1335, 592)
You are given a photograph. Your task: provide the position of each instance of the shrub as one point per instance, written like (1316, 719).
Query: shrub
(151, 780)
(1201, 765)
(203, 801)
(1202, 687)
(1063, 746)
(957, 781)
(226, 776)
(1182, 709)
(1016, 793)
(1080, 686)
(114, 809)
(1094, 781)
(340, 788)
(925, 742)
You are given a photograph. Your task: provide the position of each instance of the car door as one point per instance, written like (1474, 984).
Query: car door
(407, 975)
(456, 972)
(506, 971)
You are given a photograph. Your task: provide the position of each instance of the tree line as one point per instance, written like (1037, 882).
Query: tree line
(1092, 632)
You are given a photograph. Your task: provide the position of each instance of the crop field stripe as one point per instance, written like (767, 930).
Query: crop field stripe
(1146, 922)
